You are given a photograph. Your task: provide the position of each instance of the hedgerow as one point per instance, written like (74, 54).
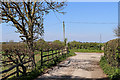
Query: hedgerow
(112, 72)
(112, 52)
(85, 45)
(110, 62)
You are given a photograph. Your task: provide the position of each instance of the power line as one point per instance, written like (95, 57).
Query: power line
(93, 22)
(86, 22)
(57, 17)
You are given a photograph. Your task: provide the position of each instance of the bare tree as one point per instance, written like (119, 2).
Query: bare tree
(27, 17)
(117, 31)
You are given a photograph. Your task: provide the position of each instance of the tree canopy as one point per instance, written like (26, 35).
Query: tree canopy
(27, 17)
(117, 31)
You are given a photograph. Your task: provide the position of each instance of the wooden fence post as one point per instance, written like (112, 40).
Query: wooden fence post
(48, 57)
(56, 54)
(65, 51)
(41, 57)
(59, 53)
(52, 55)
(62, 51)
(17, 69)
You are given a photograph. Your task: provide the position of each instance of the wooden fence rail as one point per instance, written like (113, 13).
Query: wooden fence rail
(55, 54)
(13, 73)
(50, 55)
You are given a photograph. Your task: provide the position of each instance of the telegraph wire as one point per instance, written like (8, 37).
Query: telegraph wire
(93, 22)
(57, 17)
(83, 22)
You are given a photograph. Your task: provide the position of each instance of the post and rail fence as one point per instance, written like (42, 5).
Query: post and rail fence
(51, 56)
(54, 55)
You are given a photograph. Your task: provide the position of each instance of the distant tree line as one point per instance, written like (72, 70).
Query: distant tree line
(85, 45)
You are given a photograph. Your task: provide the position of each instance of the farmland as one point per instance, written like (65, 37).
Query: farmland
(53, 50)
(17, 54)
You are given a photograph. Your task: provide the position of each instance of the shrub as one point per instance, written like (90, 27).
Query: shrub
(112, 72)
(86, 45)
(41, 44)
(112, 52)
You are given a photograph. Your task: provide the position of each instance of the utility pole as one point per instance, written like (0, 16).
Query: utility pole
(100, 38)
(100, 41)
(63, 30)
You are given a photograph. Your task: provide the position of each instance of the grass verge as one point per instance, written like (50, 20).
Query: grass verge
(87, 50)
(38, 71)
(112, 72)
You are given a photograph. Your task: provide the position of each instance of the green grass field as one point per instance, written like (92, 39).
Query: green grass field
(38, 71)
(86, 50)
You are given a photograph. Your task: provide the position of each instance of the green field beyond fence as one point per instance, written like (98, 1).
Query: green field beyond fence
(16, 62)
(46, 58)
